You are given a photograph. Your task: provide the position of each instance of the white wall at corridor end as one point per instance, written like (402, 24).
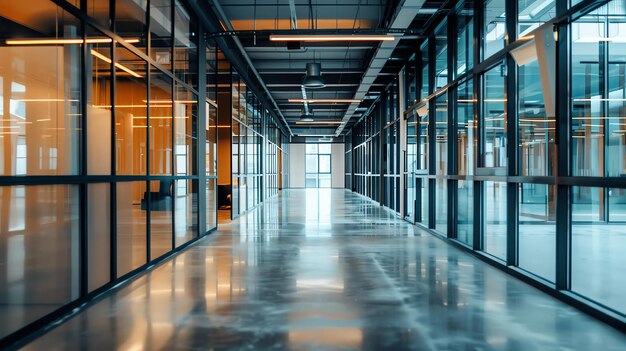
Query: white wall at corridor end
(297, 166)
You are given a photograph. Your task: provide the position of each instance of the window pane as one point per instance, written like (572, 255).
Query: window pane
(537, 229)
(311, 164)
(494, 117)
(130, 21)
(495, 26)
(160, 123)
(533, 13)
(185, 139)
(40, 91)
(324, 164)
(425, 88)
(536, 110)
(311, 148)
(39, 240)
(324, 148)
(466, 129)
(588, 124)
(598, 239)
(465, 38)
(441, 131)
(441, 56)
(424, 201)
(185, 46)
(423, 140)
(186, 211)
(161, 32)
(211, 204)
(131, 226)
(465, 215)
(495, 219)
(131, 126)
(161, 192)
(99, 108)
(441, 199)
(99, 234)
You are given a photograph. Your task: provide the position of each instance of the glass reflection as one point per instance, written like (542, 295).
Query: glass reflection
(598, 220)
(494, 26)
(132, 226)
(39, 241)
(537, 229)
(131, 123)
(40, 90)
(495, 219)
(494, 118)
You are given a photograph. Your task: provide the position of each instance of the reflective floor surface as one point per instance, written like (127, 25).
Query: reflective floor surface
(327, 269)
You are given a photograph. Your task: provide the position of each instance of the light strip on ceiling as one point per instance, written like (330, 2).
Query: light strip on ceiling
(118, 65)
(64, 41)
(324, 101)
(320, 122)
(326, 38)
(315, 135)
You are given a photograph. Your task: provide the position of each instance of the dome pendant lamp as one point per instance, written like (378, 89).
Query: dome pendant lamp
(313, 79)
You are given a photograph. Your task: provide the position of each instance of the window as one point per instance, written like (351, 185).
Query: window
(495, 27)
(465, 37)
(494, 117)
(318, 166)
(532, 14)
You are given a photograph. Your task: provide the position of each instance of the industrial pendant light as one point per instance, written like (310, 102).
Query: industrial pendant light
(306, 116)
(313, 79)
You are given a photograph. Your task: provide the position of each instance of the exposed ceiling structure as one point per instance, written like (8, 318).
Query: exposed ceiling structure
(355, 72)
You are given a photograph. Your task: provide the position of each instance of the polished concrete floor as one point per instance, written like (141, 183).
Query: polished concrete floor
(327, 269)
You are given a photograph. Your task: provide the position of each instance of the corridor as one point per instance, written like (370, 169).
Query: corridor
(319, 269)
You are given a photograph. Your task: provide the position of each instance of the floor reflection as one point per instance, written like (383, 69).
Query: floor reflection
(327, 269)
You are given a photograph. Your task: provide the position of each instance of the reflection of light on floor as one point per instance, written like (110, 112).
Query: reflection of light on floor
(321, 284)
(336, 337)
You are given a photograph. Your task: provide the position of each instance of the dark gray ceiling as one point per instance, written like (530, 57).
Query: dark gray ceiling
(343, 63)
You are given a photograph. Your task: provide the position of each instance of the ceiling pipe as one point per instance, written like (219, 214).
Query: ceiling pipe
(228, 26)
(402, 18)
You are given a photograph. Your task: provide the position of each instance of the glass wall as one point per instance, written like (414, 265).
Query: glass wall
(501, 155)
(113, 130)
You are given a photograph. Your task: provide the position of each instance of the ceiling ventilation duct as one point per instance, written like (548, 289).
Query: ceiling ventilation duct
(306, 116)
(313, 79)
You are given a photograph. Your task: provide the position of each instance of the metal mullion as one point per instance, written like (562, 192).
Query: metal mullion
(478, 188)
(83, 193)
(202, 112)
(113, 185)
(604, 92)
(173, 129)
(512, 237)
(148, 113)
(563, 134)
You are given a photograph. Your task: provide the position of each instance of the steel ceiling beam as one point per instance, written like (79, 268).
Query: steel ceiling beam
(401, 19)
(228, 26)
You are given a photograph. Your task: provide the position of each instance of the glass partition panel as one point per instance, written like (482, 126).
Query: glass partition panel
(537, 229)
(533, 13)
(98, 235)
(40, 77)
(39, 239)
(161, 119)
(495, 219)
(465, 37)
(132, 228)
(161, 32)
(494, 117)
(495, 26)
(598, 239)
(131, 123)
(186, 211)
(161, 202)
